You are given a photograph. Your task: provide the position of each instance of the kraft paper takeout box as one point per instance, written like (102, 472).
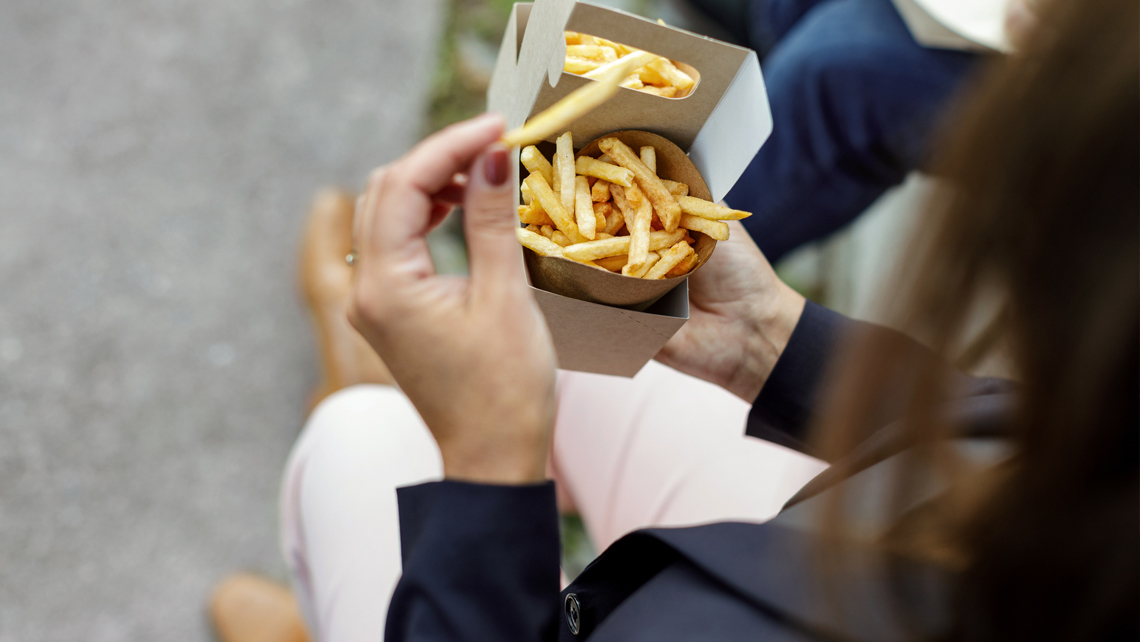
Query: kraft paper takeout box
(721, 124)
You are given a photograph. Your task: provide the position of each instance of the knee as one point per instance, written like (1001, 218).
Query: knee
(370, 427)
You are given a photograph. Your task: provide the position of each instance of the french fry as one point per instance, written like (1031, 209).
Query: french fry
(639, 227)
(538, 243)
(605, 171)
(626, 63)
(676, 189)
(615, 221)
(649, 157)
(584, 208)
(564, 170)
(600, 249)
(633, 82)
(613, 263)
(669, 259)
(600, 192)
(590, 263)
(716, 229)
(664, 92)
(589, 52)
(621, 203)
(674, 76)
(578, 65)
(572, 37)
(527, 195)
(663, 202)
(533, 214)
(685, 266)
(556, 184)
(534, 161)
(651, 77)
(707, 209)
(602, 207)
(639, 271)
(576, 104)
(549, 202)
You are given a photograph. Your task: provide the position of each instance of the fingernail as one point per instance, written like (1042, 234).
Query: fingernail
(495, 167)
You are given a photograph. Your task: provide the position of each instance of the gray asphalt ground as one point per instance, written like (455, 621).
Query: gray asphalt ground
(156, 159)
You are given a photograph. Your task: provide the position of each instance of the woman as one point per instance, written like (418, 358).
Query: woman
(953, 507)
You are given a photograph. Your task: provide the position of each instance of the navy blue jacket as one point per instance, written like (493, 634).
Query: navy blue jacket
(481, 561)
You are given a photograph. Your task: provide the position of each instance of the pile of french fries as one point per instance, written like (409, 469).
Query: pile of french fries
(613, 212)
(591, 57)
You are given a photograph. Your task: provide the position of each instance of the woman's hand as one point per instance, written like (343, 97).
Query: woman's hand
(741, 316)
(472, 354)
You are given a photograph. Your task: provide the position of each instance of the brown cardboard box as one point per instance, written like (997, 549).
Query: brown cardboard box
(720, 124)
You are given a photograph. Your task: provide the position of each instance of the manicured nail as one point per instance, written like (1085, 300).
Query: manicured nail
(495, 167)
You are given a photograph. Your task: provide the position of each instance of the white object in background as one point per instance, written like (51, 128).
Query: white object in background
(971, 25)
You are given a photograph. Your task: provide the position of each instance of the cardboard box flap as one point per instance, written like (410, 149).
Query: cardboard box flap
(736, 129)
(721, 124)
(606, 340)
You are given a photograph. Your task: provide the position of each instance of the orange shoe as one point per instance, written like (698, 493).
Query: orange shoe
(249, 608)
(326, 283)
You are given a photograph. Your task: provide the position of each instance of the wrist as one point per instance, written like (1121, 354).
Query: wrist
(770, 327)
(487, 462)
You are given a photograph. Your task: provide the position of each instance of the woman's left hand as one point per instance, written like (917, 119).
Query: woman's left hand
(472, 354)
(741, 318)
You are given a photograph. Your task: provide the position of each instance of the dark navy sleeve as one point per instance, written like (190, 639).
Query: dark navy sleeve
(480, 563)
(783, 410)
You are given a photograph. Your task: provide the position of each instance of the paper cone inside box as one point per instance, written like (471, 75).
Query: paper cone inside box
(586, 283)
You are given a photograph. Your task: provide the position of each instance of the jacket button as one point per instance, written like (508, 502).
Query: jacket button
(573, 613)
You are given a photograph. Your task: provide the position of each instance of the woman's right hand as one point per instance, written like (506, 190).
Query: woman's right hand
(472, 354)
(741, 316)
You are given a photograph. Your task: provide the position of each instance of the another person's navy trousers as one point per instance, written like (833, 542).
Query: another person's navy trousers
(855, 101)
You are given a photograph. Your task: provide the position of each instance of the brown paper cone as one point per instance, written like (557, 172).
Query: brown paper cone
(577, 281)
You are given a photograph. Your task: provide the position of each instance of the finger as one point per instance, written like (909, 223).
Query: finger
(361, 220)
(453, 193)
(404, 197)
(490, 221)
(434, 163)
(439, 212)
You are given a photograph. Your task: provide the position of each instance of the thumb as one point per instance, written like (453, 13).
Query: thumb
(490, 222)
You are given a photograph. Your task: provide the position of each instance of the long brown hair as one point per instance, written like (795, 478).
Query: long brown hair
(1040, 213)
